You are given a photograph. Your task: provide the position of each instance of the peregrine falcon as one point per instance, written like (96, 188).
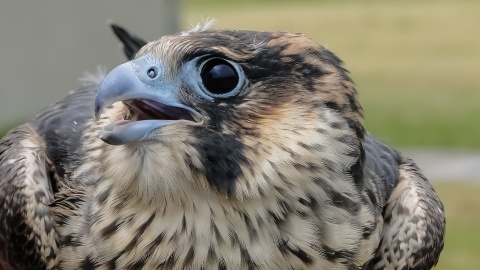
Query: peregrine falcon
(213, 149)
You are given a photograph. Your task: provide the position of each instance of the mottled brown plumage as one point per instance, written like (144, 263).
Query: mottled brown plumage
(218, 149)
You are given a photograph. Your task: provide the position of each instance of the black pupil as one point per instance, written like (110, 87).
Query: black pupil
(219, 76)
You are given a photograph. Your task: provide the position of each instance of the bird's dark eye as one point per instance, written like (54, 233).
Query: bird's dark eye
(219, 76)
(152, 73)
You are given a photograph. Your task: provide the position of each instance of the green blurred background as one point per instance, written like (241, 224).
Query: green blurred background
(416, 64)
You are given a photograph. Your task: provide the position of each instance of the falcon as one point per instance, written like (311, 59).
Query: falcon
(213, 149)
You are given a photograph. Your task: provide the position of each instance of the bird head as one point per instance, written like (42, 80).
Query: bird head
(242, 112)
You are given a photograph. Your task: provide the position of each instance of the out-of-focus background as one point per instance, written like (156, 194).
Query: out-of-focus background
(416, 64)
(46, 46)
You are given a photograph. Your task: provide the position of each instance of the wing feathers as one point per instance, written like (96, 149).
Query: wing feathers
(414, 228)
(27, 235)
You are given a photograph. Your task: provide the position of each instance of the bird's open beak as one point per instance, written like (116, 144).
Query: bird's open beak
(151, 101)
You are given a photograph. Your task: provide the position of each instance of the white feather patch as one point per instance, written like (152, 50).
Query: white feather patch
(207, 24)
(89, 78)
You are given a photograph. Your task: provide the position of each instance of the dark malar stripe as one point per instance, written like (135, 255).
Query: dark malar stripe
(221, 156)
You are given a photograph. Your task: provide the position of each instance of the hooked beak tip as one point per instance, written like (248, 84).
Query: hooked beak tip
(98, 109)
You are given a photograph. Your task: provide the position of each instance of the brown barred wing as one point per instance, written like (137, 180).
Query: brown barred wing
(27, 236)
(414, 223)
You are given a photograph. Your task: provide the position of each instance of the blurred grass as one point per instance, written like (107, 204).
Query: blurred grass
(416, 63)
(462, 243)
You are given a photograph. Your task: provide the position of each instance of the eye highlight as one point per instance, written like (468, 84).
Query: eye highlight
(219, 77)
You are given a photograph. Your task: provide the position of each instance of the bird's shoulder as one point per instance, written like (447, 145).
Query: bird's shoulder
(62, 126)
(35, 159)
(412, 212)
(27, 235)
(381, 168)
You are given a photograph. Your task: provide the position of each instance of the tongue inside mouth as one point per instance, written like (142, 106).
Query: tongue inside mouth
(143, 118)
(141, 109)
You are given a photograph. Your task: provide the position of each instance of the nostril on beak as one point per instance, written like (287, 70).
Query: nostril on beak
(152, 72)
